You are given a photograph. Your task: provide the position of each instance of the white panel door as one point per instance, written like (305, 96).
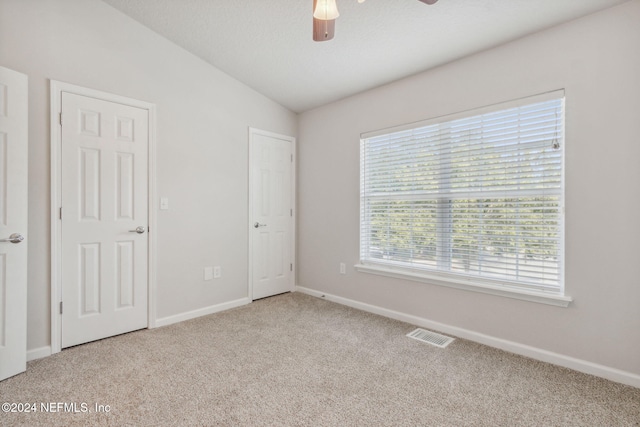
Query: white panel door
(104, 218)
(271, 214)
(13, 222)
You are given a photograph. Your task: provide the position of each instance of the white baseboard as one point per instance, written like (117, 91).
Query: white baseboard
(165, 321)
(580, 365)
(38, 353)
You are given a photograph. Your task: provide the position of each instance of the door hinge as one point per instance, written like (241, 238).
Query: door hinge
(291, 211)
(60, 118)
(60, 213)
(290, 267)
(60, 307)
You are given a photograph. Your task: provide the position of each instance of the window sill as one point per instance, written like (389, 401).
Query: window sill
(526, 295)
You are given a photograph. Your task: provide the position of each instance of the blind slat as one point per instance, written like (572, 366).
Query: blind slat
(481, 195)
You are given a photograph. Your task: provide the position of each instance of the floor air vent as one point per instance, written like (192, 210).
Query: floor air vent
(430, 338)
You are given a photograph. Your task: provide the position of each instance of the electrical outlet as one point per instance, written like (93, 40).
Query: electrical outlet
(217, 272)
(343, 268)
(208, 273)
(164, 203)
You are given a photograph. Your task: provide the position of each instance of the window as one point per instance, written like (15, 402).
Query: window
(475, 198)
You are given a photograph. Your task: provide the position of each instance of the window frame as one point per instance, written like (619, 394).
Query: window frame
(481, 284)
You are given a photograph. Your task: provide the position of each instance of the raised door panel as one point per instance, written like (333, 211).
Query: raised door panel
(90, 188)
(125, 188)
(90, 278)
(125, 267)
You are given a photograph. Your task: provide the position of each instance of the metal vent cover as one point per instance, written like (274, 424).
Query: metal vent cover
(430, 337)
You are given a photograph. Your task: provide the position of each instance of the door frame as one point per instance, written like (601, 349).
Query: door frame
(57, 88)
(292, 230)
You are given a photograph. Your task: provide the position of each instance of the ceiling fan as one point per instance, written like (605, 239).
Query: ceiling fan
(325, 13)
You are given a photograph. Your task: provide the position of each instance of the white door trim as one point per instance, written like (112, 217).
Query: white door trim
(56, 89)
(252, 132)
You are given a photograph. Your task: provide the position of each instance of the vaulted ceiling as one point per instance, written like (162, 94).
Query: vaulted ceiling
(267, 44)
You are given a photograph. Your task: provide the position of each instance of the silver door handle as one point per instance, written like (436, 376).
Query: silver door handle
(14, 238)
(257, 224)
(138, 230)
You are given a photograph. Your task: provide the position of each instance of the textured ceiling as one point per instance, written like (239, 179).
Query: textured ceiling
(267, 44)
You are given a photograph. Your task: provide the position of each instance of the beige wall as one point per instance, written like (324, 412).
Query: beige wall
(597, 61)
(203, 117)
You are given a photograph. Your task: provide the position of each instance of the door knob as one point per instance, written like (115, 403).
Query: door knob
(14, 238)
(138, 230)
(257, 224)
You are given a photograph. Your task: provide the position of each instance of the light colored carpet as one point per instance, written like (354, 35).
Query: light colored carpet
(295, 360)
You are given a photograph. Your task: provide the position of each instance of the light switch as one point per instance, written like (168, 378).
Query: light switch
(164, 203)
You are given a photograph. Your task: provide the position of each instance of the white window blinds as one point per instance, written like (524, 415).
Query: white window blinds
(478, 197)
